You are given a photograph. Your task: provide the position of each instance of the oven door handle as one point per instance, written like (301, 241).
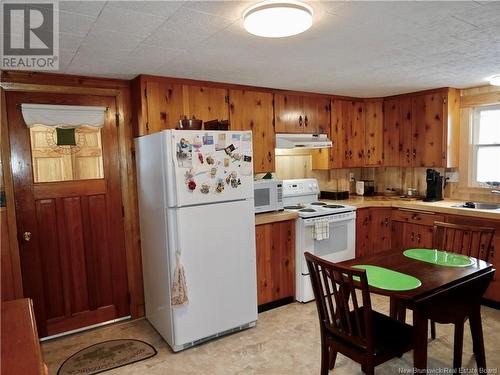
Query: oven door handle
(311, 223)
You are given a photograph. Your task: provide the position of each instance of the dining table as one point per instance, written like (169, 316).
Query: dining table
(444, 295)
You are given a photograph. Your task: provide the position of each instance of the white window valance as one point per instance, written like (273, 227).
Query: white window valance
(63, 116)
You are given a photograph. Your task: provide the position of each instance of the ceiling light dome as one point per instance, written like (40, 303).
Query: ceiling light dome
(277, 19)
(495, 80)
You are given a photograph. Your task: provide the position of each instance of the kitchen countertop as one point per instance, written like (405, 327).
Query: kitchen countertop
(273, 217)
(444, 206)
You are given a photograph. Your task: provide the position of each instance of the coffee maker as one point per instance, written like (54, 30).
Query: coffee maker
(434, 186)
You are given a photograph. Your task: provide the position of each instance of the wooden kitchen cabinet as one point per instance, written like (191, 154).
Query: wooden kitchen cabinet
(301, 114)
(275, 246)
(374, 133)
(413, 229)
(353, 134)
(205, 103)
(329, 158)
(373, 230)
(391, 129)
(253, 110)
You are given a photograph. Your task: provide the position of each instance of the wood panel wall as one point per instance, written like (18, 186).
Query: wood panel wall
(120, 90)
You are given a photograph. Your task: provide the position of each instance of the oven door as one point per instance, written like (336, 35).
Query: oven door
(340, 244)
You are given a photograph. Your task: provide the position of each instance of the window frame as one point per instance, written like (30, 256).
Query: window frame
(475, 146)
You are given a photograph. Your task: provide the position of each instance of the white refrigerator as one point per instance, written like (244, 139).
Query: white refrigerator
(195, 191)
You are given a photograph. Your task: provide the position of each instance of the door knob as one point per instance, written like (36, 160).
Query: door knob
(27, 236)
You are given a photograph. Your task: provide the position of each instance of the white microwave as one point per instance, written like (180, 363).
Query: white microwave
(268, 195)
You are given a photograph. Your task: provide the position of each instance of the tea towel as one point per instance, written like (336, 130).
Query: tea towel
(179, 287)
(321, 230)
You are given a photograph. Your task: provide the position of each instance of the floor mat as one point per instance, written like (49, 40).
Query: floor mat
(105, 356)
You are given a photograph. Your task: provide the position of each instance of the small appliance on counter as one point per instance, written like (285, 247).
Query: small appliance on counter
(268, 195)
(434, 186)
(365, 187)
(334, 195)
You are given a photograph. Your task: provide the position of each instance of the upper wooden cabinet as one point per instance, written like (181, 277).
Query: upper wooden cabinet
(159, 104)
(427, 126)
(253, 110)
(205, 103)
(374, 133)
(301, 114)
(353, 134)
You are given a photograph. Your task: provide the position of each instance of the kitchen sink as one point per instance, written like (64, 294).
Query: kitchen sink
(479, 205)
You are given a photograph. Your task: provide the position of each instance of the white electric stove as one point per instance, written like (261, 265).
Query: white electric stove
(301, 196)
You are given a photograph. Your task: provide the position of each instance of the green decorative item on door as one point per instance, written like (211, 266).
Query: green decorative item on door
(384, 278)
(440, 258)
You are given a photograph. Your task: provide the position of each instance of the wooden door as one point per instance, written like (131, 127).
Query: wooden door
(380, 229)
(407, 149)
(316, 115)
(253, 110)
(428, 122)
(363, 241)
(374, 133)
(353, 132)
(391, 136)
(70, 226)
(288, 113)
(205, 103)
(275, 247)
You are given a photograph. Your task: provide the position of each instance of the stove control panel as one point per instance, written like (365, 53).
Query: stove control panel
(303, 186)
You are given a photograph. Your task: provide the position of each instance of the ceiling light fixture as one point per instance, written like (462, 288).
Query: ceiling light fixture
(495, 80)
(277, 19)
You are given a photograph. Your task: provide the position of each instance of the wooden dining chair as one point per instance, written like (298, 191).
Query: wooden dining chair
(467, 240)
(348, 324)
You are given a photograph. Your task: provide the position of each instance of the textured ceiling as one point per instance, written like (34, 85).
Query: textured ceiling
(353, 48)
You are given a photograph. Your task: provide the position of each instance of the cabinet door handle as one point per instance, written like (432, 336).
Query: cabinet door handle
(386, 221)
(418, 238)
(269, 156)
(27, 236)
(300, 120)
(414, 153)
(412, 236)
(369, 154)
(345, 153)
(305, 120)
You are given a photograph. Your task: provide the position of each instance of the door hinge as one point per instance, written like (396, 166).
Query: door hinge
(117, 116)
(226, 98)
(123, 211)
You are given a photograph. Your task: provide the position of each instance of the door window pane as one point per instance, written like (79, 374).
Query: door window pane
(55, 162)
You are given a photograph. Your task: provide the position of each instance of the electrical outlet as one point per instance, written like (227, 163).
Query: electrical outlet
(351, 177)
(452, 176)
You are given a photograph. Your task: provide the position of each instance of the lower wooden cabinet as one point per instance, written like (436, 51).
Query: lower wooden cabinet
(373, 230)
(275, 243)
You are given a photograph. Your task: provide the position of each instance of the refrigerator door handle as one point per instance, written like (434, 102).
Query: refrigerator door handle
(169, 165)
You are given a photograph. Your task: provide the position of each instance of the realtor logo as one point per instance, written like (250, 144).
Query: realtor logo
(30, 36)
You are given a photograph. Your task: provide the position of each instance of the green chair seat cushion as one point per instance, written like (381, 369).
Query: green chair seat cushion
(438, 257)
(384, 278)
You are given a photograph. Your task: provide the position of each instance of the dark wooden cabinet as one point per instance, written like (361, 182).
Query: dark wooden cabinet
(391, 129)
(301, 114)
(332, 157)
(413, 229)
(253, 110)
(275, 246)
(373, 230)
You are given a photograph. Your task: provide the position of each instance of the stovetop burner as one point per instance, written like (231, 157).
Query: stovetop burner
(334, 206)
(307, 210)
(318, 204)
(296, 207)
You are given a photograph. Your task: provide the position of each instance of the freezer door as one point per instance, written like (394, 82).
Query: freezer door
(210, 166)
(217, 245)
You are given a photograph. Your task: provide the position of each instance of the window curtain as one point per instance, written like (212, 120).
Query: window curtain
(63, 116)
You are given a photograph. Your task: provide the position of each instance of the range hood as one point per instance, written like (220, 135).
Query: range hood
(288, 141)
